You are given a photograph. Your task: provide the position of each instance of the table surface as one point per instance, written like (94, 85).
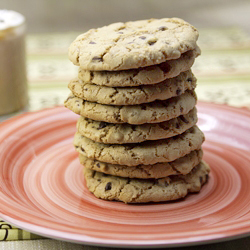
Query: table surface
(223, 73)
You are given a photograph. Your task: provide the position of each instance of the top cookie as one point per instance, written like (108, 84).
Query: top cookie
(121, 46)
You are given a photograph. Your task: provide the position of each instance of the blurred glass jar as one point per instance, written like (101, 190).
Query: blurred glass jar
(13, 79)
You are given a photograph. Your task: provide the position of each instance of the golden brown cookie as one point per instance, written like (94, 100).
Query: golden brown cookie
(121, 46)
(130, 190)
(133, 95)
(110, 133)
(182, 166)
(141, 76)
(154, 112)
(146, 153)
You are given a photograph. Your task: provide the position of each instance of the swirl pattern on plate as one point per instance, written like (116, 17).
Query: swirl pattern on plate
(43, 189)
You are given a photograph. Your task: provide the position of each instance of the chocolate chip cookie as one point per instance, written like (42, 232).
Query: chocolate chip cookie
(141, 76)
(154, 112)
(146, 153)
(131, 190)
(133, 95)
(126, 133)
(183, 166)
(121, 46)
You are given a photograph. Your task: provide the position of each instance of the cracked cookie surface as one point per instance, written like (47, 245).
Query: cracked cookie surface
(131, 190)
(154, 112)
(125, 133)
(182, 166)
(121, 46)
(145, 153)
(133, 95)
(142, 76)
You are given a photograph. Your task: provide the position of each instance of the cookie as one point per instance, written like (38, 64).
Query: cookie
(122, 46)
(142, 76)
(125, 133)
(145, 153)
(154, 112)
(133, 95)
(182, 166)
(130, 190)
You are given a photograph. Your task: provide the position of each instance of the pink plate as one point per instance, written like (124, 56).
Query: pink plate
(43, 189)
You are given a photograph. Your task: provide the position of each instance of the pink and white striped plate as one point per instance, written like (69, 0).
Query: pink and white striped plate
(43, 189)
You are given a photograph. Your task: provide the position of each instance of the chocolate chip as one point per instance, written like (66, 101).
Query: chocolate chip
(102, 125)
(133, 127)
(165, 67)
(184, 119)
(162, 28)
(201, 179)
(91, 42)
(97, 58)
(98, 165)
(178, 91)
(85, 89)
(82, 149)
(129, 147)
(192, 130)
(164, 126)
(189, 79)
(142, 37)
(108, 186)
(151, 42)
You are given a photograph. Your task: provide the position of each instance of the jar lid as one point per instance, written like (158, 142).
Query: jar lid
(10, 19)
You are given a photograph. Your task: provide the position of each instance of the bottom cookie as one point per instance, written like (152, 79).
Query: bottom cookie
(129, 190)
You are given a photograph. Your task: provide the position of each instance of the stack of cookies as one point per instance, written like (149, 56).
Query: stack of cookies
(137, 136)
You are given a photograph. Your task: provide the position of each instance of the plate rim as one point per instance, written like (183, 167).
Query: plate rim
(110, 243)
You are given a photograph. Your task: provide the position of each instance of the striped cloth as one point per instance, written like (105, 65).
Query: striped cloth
(9, 232)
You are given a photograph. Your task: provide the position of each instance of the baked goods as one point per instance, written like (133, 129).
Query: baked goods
(153, 112)
(133, 95)
(137, 136)
(141, 76)
(182, 166)
(147, 152)
(131, 190)
(110, 133)
(121, 46)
